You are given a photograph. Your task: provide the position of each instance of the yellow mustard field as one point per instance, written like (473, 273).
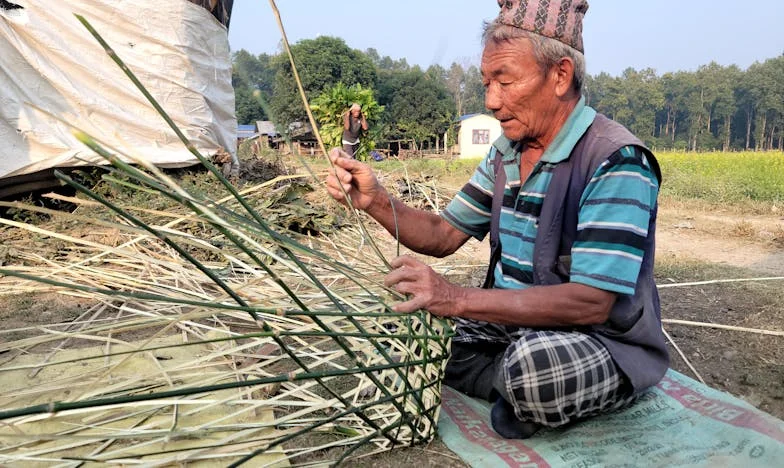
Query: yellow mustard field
(723, 177)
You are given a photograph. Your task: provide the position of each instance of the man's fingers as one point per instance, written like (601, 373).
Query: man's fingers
(403, 260)
(404, 268)
(338, 173)
(340, 157)
(396, 277)
(335, 193)
(334, 185)
(409, 306)
(336, 153)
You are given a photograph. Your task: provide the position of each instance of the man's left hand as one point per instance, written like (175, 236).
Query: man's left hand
(425, 288)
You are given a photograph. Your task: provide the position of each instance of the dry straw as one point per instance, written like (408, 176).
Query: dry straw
(212, 336)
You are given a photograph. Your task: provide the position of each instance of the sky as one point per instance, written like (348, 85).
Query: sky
(666, 35)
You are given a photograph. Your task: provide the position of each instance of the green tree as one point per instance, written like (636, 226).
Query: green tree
(331, 105)
(417, 107)
(725, 103)
(436, 73)
(254, 71)
(767, 88)
(747, 103)
(668, 120)
(645, 97)
(456, 83)
(322, 63)
(610, 97)
(247, 106)
(252, 78)
(389, 64)
(473, 92)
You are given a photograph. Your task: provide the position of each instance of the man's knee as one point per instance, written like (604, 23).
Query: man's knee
(519, 376)
(555, 378)
(472, 367)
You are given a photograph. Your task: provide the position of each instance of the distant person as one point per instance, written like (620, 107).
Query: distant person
(567, 325)
(353, 124)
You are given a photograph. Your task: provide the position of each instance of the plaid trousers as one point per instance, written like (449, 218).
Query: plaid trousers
(551, 376)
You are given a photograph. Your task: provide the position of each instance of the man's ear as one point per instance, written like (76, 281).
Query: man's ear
(563, 72)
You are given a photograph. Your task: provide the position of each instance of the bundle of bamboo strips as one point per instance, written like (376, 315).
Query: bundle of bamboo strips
(214, 336)
(166, 367)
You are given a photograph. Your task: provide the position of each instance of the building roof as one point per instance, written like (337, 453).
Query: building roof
(301, 131)
(246, 131)
(463, 118)
(266, 127)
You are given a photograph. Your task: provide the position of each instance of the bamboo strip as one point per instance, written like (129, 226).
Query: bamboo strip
(721, 281)
(724, 327)
(683, 356)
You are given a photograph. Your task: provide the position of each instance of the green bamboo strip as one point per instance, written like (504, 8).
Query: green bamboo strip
(288, 437)
(355, 212)
(157, 234)
(179, 301)
(328, 420)
(56, 407)
(302, 267)
(344, 346)
(305, 333)
(346, 313)
(164, 299)
(229, 187)
(115, 161)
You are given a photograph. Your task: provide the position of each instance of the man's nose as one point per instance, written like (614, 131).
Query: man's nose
(492, 97)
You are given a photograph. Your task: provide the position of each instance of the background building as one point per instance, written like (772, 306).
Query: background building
(477, 133)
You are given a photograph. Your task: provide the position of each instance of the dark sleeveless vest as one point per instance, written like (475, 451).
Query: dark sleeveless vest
(633, 333)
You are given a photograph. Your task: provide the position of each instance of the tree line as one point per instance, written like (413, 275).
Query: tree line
(419, 105)
(713, 108)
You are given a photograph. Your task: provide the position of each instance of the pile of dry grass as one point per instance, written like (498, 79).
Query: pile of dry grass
(213, 336)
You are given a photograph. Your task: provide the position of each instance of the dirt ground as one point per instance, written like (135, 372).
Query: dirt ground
(707, 246)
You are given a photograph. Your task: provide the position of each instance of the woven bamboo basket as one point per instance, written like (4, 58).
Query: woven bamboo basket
(218, 339)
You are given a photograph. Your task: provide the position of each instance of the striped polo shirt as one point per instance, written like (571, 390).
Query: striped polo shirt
(613, 221)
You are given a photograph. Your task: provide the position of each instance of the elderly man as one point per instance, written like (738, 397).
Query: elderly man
(567, 325)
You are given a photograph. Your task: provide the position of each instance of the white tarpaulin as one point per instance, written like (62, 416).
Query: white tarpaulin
(47, 58)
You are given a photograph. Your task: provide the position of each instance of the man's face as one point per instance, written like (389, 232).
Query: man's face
(520, 95)
(355, 111)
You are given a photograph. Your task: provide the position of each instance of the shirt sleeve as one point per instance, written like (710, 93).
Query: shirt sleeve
(614, 222)
(469, 211)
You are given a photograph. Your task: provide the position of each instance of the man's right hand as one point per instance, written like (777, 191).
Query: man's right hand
(357, 180)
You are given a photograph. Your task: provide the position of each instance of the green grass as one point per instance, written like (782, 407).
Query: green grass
(722, 179)
(735, 179)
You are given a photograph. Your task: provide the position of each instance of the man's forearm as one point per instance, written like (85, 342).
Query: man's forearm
(420, 231)
(564, 305)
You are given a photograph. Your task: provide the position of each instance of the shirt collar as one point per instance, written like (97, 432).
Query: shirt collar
(573, 129)
(561, 147)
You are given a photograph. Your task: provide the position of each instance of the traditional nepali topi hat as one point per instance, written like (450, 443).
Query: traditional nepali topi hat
(561, 20)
